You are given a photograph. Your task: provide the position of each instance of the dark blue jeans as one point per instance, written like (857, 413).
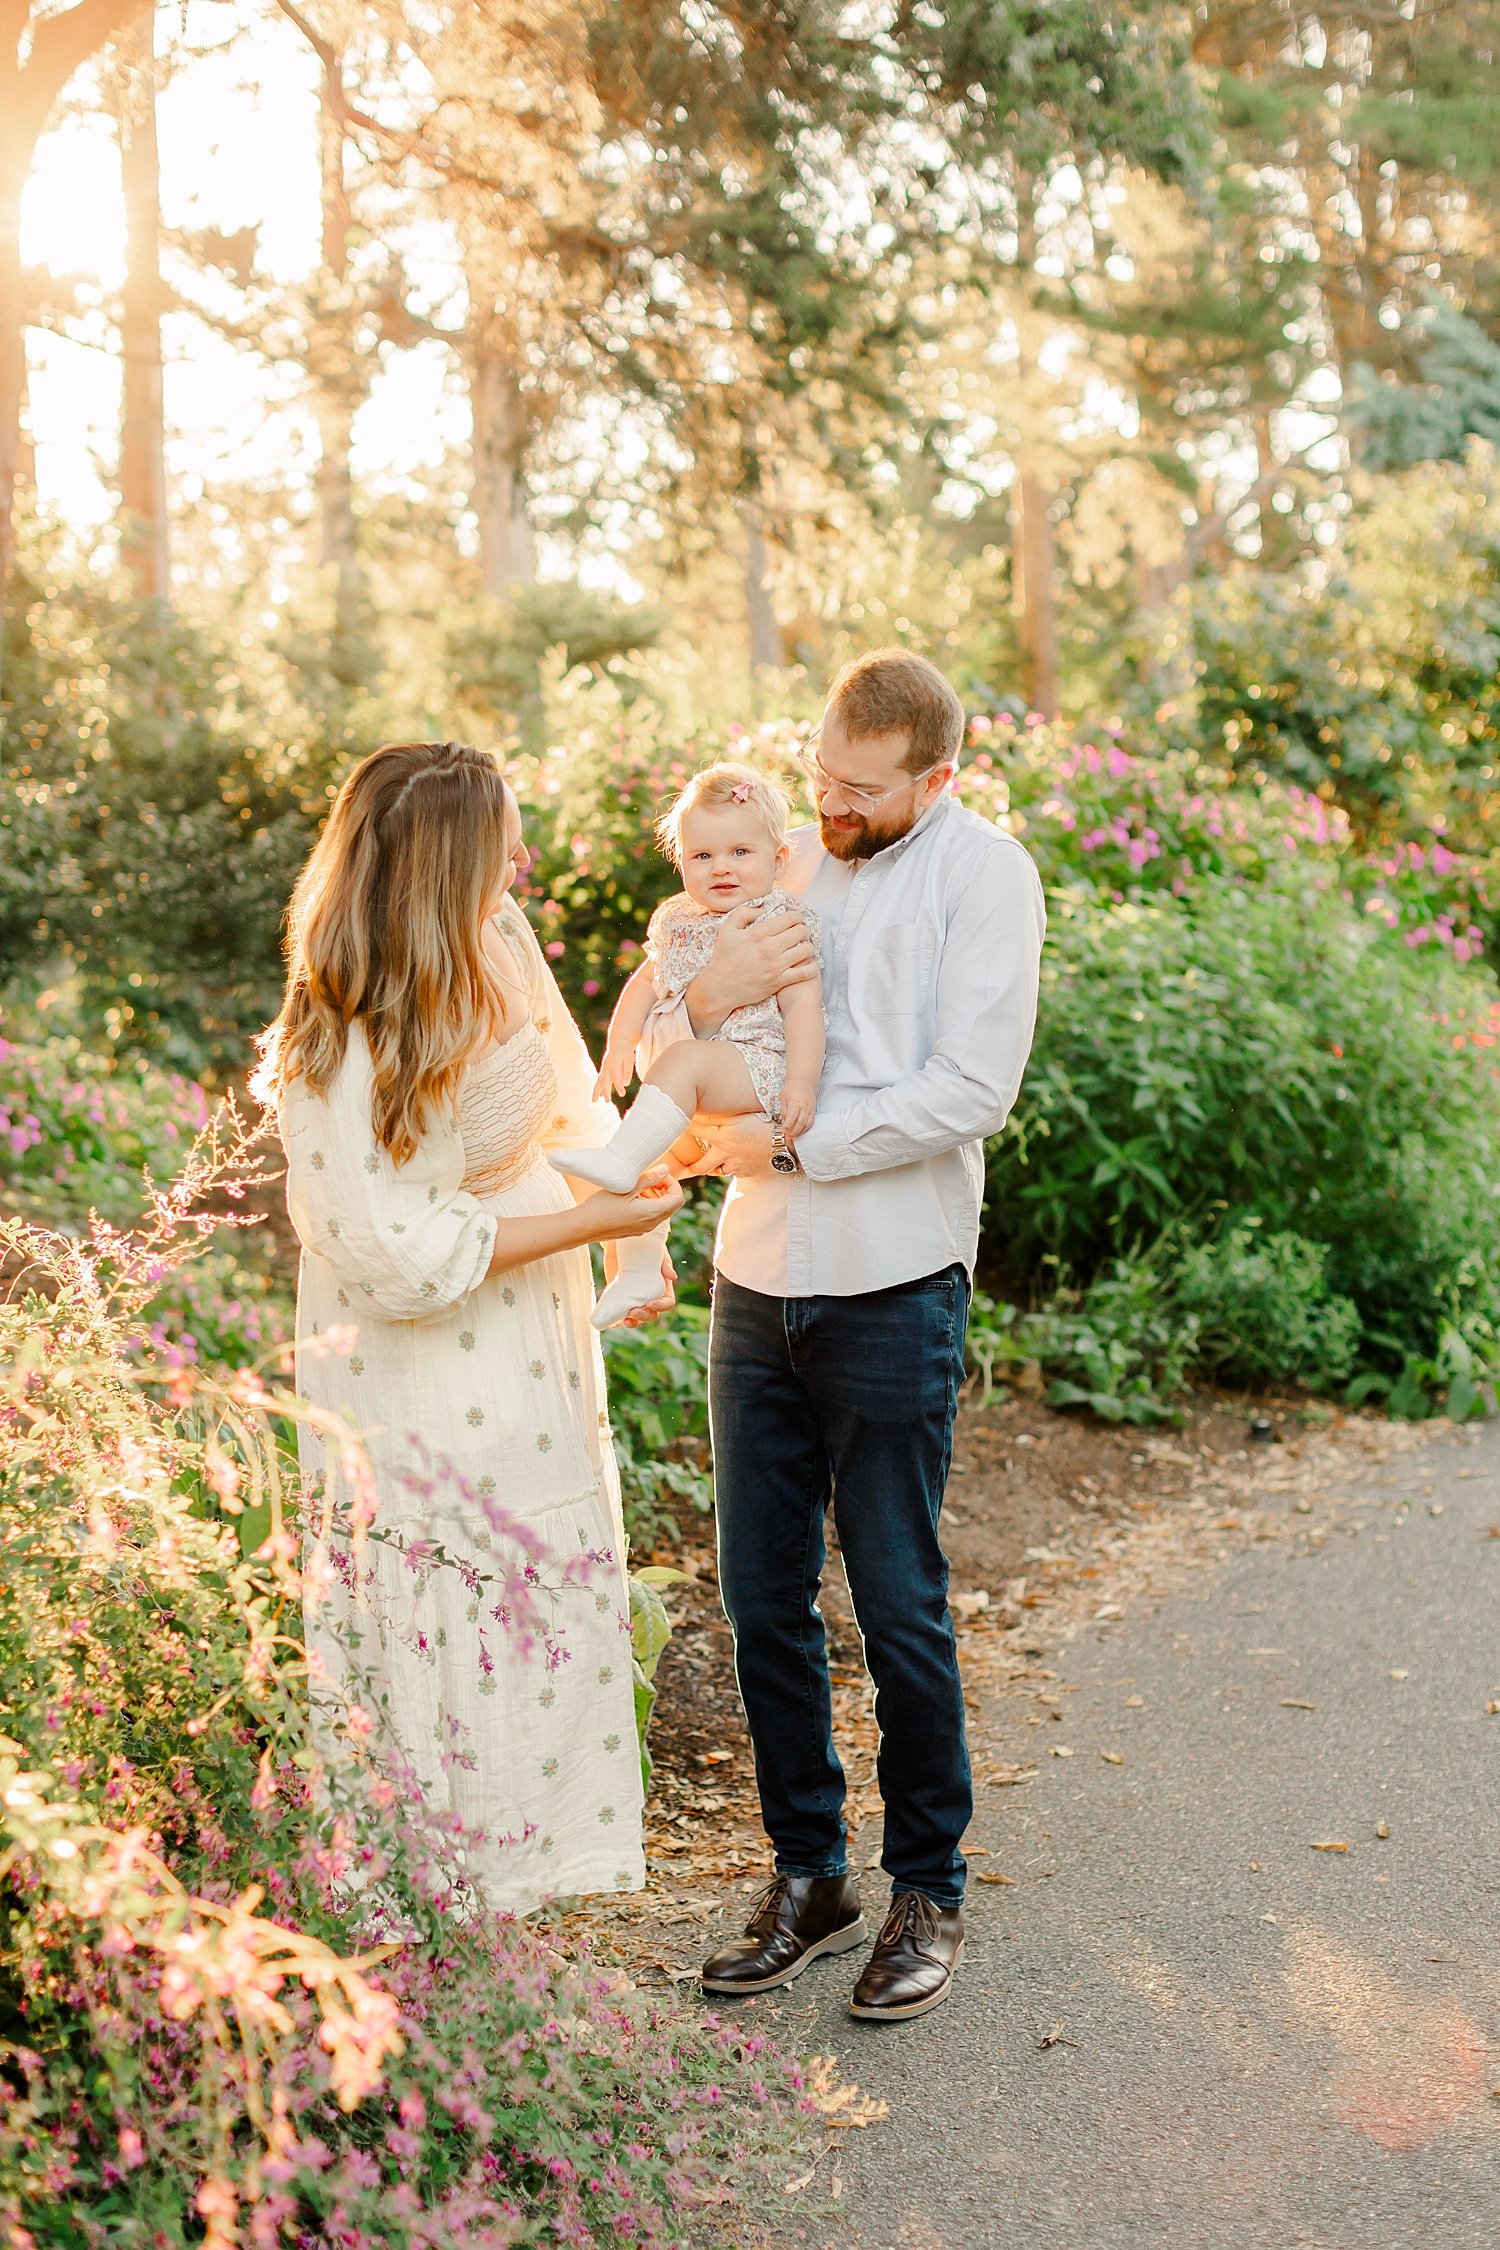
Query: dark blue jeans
(849, 1399)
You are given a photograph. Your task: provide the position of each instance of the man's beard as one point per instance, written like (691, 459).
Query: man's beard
(865, 840)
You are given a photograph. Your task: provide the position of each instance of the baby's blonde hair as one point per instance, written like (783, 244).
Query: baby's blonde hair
(725, 784)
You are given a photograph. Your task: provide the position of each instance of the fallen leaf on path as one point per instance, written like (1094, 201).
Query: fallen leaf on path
(1491, 1531)
(1061, 1750)
(1382, 1829)
(841, 2106)
(1491, 1709)
(1107, 1610)
(1295, 1703)
(1112, 1757)
(1056, 2037)
(1008, 1880)
(1010, 1777)
(1400, 1675)
(1330, 1847)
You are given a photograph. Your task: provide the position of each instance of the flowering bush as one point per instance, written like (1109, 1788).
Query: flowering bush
(239, 2003)
(79, 1131)
(1126, 822)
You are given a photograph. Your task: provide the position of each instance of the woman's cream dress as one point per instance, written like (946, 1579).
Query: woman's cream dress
(473, 1397)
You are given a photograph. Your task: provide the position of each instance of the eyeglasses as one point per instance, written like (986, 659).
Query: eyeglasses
(858, 800)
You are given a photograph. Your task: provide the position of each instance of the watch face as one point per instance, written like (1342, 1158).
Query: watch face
(783, 1161)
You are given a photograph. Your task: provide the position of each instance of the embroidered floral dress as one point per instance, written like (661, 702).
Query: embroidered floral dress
(679, 940)
(478, 1400)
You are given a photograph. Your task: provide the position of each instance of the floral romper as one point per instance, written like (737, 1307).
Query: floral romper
(679, 941)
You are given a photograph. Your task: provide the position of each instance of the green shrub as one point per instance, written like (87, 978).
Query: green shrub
(1118, 1347)
(1263, 1310)
(658, 1411)
(143, 841)
(1265, 1051)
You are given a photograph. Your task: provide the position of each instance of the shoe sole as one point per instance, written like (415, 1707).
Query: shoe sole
(913, 2007)
(837, 1941)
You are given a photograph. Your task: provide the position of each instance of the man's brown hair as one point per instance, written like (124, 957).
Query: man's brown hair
(892, 692)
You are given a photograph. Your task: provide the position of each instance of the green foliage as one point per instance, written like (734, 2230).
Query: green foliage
(1263, 1311)
(658, 1404)
(495, 651)
(1116, 1347)
(1457, 398)
(141, 842)
(1376, 683)
(650, 1634)
(1262, 1051)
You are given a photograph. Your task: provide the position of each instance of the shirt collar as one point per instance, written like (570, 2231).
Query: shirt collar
(935, 813)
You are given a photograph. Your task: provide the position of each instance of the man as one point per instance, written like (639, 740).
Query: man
(840, 1305)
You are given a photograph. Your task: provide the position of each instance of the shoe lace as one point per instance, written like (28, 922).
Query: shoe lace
(769, 1901)
(911, 1915)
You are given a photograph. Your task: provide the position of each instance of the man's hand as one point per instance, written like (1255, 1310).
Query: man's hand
(735, 1145)
(750, 961)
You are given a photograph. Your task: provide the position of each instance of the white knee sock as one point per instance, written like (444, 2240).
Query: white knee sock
(638, 1281)
(647, 1130)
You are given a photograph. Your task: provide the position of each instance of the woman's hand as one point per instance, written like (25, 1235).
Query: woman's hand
(614, 1218)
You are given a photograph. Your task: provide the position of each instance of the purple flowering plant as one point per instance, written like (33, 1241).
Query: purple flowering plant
(246, 1997)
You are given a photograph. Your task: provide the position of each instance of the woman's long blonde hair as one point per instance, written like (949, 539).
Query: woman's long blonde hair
(384, 930)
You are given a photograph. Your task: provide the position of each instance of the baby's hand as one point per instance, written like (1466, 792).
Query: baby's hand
(615, 1073)
(797, 1106)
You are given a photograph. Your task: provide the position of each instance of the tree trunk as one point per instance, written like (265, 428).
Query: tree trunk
(59, 43)
(507, 549)
(335, 365)
(1033, 548)
(767, 654)
(143, 473)
(1034, 578)
(12, 347)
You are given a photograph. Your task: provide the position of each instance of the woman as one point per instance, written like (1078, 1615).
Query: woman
(422, 1065)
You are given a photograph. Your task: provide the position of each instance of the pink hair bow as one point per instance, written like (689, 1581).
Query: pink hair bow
(740, 792)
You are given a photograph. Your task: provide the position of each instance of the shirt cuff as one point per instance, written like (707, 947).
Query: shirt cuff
(824, 1150)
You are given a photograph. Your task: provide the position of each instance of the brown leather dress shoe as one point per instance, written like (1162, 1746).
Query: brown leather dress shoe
(797, 1919)
(911, 1968)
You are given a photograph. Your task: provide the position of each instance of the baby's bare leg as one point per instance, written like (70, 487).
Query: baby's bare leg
(692, 1077)
(706, 1078)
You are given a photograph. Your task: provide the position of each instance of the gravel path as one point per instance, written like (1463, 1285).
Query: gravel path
(1180, 2024)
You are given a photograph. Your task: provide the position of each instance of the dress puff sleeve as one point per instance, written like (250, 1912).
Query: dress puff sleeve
(406, 1237)
(579, 1120)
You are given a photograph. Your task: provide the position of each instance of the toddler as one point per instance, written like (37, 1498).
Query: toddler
(726, 834)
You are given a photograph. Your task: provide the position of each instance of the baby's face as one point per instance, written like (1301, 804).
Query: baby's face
(727, 856)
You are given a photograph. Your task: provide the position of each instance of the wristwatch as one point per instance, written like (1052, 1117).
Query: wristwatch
(782, 1159)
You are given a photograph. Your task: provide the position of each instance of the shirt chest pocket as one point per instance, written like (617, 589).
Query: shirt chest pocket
(899, 969)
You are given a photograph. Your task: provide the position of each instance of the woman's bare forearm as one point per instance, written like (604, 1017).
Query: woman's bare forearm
(518, 1242)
